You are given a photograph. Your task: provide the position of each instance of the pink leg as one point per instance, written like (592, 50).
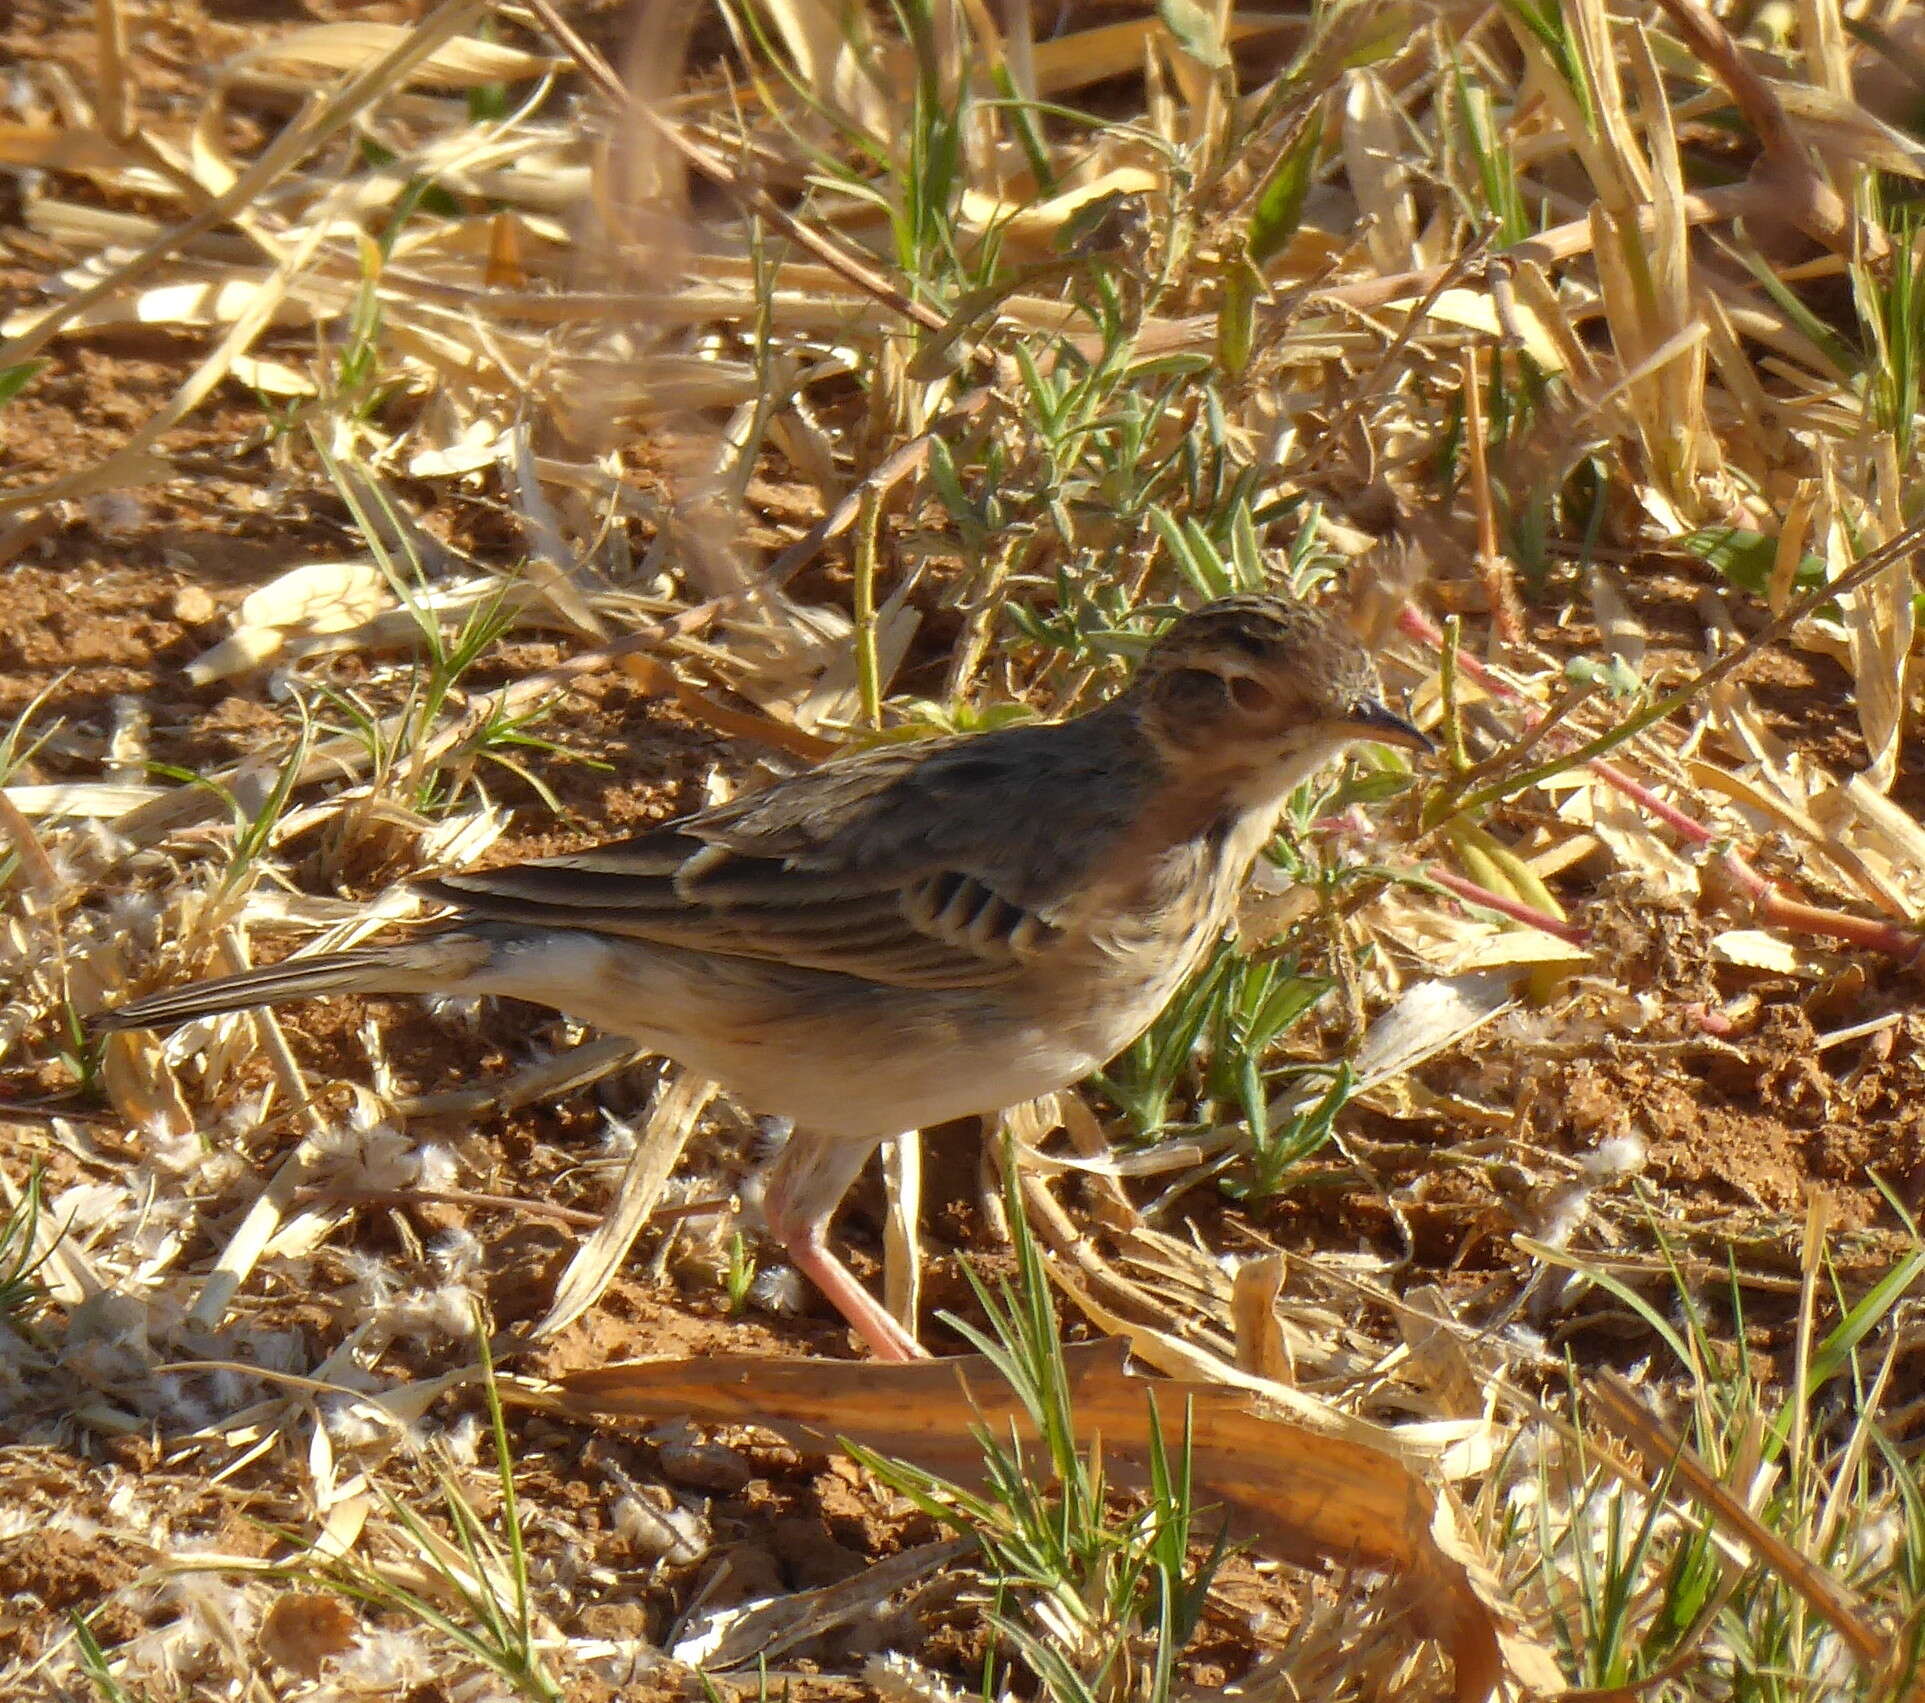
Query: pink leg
(805, 1186)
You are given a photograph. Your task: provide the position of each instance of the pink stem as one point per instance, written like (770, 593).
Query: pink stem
(1771, 905)
(1515, 909)
(1669, 814)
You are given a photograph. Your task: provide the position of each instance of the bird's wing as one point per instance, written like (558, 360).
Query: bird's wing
(941, 865)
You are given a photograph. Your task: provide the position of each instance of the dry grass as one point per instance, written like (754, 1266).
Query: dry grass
(399, 421)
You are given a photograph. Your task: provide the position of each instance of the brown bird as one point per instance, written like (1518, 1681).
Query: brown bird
(914, 933)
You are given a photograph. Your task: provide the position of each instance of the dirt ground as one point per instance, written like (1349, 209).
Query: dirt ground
(1743, 1120)
(1741, 1127)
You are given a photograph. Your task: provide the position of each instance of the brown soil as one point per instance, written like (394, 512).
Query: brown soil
(1742, 1129)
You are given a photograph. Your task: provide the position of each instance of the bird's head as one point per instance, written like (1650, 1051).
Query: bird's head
(1262, 685)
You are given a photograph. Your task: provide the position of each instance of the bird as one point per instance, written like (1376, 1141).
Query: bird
(912, 933)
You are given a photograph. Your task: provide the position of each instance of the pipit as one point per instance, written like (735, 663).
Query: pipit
(914, 933)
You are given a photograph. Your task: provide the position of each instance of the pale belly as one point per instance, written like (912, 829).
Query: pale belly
(921, 1072)
(829, 1052)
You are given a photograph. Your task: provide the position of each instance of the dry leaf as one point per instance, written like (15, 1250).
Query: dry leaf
(1315, 1498)
(142, 1086)
(184, 304)
(671, 1119)
(1041, 220)
(1430, 1017)
(58, 148)
(1759, 949)
(238, 653)
(272, 378)
(105, 799)
(1515, 949)
(477, 445)
(1373, 147)
(1878, 623)
(461, 63)
(320, 597)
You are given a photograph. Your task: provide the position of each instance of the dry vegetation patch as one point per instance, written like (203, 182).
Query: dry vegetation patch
(423, 446)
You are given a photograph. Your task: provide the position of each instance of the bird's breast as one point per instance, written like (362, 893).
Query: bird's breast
(1142, 933)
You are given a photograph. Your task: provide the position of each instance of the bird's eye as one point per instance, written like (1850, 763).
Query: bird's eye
(1250, 697)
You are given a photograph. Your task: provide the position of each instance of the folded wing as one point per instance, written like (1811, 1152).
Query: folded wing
(923, 866)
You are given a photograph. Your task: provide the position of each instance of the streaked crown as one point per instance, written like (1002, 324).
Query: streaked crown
(1265, 670)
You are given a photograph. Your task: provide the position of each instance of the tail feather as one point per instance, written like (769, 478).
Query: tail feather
(417, 966)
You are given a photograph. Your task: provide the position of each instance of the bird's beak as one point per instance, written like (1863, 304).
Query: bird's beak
(1372, 721)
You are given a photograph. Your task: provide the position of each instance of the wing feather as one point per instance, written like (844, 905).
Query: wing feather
(923, 866)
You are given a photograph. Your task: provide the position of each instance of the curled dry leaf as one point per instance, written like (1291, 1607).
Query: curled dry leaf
(1313, 1497)
(318, 597)
(142, 1087)
(464, 62)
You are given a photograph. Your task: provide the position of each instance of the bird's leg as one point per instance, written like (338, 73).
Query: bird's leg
(805, 1186)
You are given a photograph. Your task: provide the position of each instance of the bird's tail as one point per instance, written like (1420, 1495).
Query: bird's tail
(433, 964)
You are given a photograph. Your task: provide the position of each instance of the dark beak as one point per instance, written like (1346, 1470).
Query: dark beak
(1373, 721)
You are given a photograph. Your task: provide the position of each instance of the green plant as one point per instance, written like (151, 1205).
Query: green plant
(1211, 1040)
(485, 1572)
(15, 379)
(1891, 308)
(739, 1279)
(254, 829)
(1633, 1574)
(1096, 1598)
(415, 748)
(96, 1664)
(21, 1291)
